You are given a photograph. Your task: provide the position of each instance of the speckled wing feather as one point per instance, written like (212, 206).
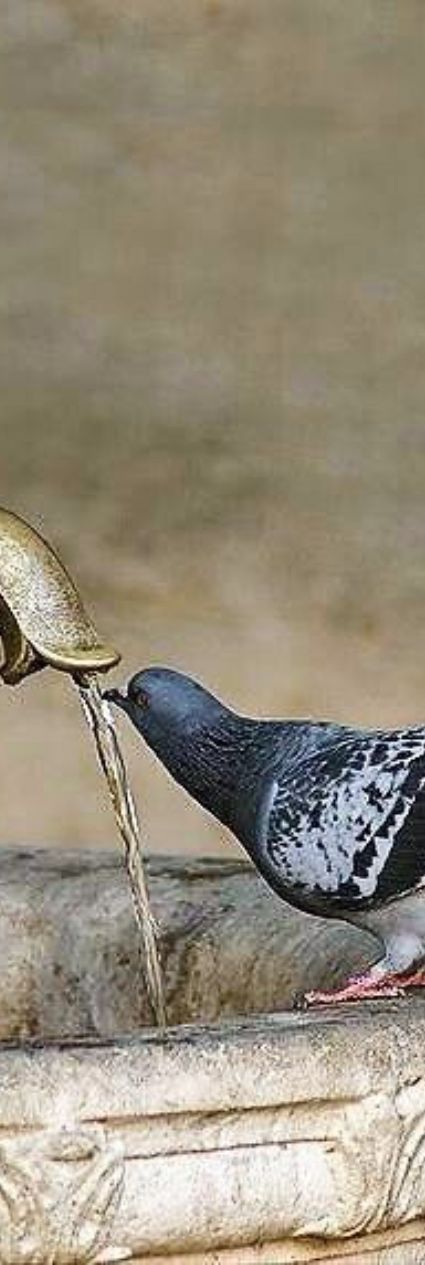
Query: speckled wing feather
(347, 828)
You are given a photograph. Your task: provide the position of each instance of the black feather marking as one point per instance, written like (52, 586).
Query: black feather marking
(405, 867)
(362, 860)
(359, 813)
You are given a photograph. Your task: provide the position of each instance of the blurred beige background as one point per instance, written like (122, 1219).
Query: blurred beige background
(212, 305)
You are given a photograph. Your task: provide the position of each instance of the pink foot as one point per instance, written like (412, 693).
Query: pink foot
(360, 987)
(415, 980)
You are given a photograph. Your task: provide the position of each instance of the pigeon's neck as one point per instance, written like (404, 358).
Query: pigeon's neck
(223, 766)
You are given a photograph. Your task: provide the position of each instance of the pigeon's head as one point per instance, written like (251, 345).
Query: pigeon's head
(166, 706)
(200, 741)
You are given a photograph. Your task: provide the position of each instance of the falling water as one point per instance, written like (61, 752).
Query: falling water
(99, 718)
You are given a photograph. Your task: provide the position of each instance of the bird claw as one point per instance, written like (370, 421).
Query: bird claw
(365, 988)
(416, 979)
(361, 988)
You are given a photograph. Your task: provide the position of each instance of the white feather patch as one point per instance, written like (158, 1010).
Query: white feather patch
(338, 802)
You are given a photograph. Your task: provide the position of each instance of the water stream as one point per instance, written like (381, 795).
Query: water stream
(101, 723)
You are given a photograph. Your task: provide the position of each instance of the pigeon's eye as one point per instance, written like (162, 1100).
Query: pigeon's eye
(142, 698)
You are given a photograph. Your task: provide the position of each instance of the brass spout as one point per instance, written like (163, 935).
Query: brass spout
(42, 618)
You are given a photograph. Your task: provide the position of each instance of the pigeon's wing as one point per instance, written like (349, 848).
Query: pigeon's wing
(347, 828)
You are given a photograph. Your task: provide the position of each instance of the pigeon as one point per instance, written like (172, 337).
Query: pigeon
(332, 816)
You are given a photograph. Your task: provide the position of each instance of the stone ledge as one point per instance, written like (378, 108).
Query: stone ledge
(405, 1246)
(280, 1129)
(256, 1140)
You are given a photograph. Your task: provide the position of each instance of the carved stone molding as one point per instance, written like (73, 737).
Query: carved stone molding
(298, 1130)
(59, 1192)
(264, 1140)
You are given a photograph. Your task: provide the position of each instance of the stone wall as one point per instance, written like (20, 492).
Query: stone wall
(70, 955)
(257, 1139)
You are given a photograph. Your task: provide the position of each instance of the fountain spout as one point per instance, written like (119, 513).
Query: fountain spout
(43, 621)
(42, 618)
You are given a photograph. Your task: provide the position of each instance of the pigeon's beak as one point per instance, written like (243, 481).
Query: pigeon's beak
(126, 704)
(116, 696)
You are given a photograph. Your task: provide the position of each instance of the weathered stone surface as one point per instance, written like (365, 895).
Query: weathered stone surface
(69, 949)
(275, 1129)
(402, 1247)
(256, 1140)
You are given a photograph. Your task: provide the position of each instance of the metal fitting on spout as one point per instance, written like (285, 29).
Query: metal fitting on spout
(42, 618)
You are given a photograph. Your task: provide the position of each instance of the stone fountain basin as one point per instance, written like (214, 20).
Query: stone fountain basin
(237, 1135)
